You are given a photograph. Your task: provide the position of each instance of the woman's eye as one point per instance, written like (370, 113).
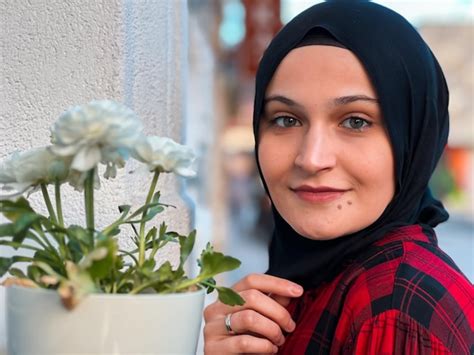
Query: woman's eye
(356, 123)
(286, 121)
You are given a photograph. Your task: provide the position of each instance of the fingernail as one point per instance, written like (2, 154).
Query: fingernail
(281, 341)
(291, 325)
(275, 349)
(296, 290)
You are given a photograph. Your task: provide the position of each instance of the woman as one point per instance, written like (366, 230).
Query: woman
(350, 119)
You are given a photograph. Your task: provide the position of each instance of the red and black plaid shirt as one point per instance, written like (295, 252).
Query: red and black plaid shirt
(403, 296)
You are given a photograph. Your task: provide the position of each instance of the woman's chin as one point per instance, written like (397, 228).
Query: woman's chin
(322, 233)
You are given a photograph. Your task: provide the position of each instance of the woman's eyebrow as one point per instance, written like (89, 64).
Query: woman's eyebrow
(338, 101)
(344, 100)
(283, 99)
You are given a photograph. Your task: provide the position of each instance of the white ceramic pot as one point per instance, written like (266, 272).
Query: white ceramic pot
(37, 323)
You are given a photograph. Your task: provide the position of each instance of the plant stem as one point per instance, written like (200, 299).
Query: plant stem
(141, 287)
(59, 207)
(59, 211)
(48, 203)
(52, 215)
(188, 283)
(205, 283)
(49, 247)
(89, 201)
(38, 240)
(130, 254)
(44, 237)
(141, 247)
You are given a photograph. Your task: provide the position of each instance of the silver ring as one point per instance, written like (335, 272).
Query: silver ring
(227, 324)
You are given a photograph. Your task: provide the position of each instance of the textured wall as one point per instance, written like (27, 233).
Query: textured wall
(56, 53)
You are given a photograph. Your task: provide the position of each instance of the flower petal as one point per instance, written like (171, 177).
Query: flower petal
(86, 158)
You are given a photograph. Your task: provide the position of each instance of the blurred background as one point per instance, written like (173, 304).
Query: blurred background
(227, 39)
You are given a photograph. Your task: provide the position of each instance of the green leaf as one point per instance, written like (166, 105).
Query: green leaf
(47, 257)
(186, 246)
(156, 197)
(134, 230)
(143, 208)
(229, 297)
(75, 250)
(17, 273)
(14, 245)
(51, 226)
(210, 285)
(23, 224)
(151, 235)
(148, 267)
(165, 272)
(119, 263)
(124, 209)
(170, 236)
(129, 254)
(165, 237)
(80, 235)
(48, 269)
(213, 263)
(163, 228)
(113, 228)
(151, 213)
(102, 263)
(150, 264)
(113, 232)
(13, 210)
(34, 272)
(7, 230)
(5, 264)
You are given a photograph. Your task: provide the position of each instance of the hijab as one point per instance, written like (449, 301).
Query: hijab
(413, 97)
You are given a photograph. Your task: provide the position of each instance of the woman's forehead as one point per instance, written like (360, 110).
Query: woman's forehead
(320, 69)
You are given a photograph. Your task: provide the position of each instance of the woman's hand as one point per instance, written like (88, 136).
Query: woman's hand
(259, 324)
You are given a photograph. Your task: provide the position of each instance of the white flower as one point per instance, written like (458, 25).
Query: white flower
(100, 131)
(22, 171)
(77, 179)
(165, 154)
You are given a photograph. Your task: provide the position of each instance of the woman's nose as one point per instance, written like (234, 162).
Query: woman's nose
(316, 152)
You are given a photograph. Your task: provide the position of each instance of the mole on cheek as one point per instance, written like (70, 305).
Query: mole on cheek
(349, 203)
(339, 207)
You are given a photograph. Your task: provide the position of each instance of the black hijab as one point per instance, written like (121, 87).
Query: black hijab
(413, 97)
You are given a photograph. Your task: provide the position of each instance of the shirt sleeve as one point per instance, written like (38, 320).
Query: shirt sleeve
(394, 332)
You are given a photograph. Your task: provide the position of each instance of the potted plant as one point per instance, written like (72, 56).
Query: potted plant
(80, 291)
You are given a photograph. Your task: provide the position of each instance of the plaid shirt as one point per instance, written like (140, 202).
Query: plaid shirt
(403, 296)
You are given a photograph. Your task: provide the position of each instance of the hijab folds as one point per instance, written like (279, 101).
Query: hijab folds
(413, 97)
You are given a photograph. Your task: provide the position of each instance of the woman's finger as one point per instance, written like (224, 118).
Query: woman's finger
(241, 344)
(283, 301)
(247, 322)
(269, 284)
(267, 307)
(257, 301)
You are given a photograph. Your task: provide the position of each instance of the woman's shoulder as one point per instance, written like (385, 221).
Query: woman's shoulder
(407, 256)
(407, 270)
(407, 274)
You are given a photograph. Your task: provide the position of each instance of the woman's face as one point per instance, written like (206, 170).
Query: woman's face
(323, 148)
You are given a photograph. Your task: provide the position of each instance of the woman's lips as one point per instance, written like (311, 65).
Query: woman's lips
(318, 194)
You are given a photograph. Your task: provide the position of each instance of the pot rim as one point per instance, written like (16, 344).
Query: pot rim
(110, 295)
